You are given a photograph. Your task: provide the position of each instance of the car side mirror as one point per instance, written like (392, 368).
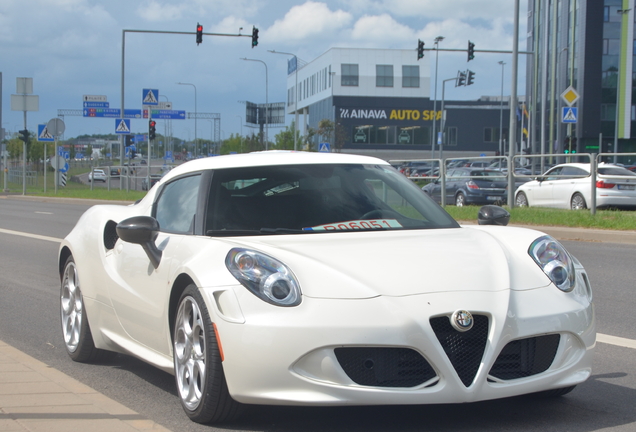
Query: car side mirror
(142, 230)
(540, 179)
(493, 215)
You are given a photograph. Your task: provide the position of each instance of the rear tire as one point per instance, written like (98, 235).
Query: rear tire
(578, 202)
(198, 365)
(460, 200)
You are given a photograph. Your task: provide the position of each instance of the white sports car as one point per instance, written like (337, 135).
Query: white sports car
(293, 278)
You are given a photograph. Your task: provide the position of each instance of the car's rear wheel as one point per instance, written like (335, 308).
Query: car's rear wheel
(578, 202)
(521, 200)
(76, 330)
(460, 200)
(198, 364)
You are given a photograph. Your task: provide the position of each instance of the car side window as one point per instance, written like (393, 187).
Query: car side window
(177, 205)
(551, 175)
(573, 172)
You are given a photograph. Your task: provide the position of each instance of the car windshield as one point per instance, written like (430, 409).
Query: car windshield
(318, 198)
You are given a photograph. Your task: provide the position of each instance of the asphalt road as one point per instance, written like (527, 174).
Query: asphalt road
(29, 320)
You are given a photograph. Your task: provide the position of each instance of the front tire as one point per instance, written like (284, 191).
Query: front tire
(198, 365)
(76, 330)
(521, 200)
(578, 202)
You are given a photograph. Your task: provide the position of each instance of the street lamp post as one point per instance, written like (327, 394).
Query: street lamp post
(502, 63)
(266, 101)
(624, 14)
(295, 93)
(438, 39)
(195, 116)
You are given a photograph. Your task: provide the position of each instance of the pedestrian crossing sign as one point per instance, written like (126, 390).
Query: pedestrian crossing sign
(570, 115)
(150, 97)
(122, 126)
(324, 148)
(44, 134)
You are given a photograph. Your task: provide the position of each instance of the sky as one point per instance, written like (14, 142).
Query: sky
(73, 48)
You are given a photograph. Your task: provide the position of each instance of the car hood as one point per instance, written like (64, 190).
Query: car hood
(403, 263)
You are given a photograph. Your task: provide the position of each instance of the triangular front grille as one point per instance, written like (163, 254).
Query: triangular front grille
(464, 349)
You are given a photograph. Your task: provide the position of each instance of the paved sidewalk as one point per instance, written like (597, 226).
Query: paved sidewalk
(36, 397)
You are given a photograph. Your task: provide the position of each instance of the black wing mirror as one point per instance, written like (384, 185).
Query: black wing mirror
(142, 230)
(493, 215)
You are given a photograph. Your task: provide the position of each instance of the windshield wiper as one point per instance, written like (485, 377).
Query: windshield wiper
(231, 232)
(283, 231)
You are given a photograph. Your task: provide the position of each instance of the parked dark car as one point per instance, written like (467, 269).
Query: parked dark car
(470, 186)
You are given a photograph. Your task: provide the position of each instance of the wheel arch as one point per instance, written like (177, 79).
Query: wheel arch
(179, 285)
(65, 252)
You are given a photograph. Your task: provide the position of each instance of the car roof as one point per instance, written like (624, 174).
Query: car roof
(268, 158)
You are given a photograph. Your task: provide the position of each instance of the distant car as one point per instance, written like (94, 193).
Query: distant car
(154, 178)
(97, 175)
(114, 172)
(470, 186)
(293, 278)
(568, 186)
(143, 162)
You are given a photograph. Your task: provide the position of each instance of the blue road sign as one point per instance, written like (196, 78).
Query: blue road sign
(139, 138)
(64, 168)
(96, 104)
(150, 97)
(111, 112)
(168, 155)
(166, 114)
(122, 126)
(324, 148)
(570, 114)
(43, 134)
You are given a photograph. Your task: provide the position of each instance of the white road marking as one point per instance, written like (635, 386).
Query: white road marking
(34, 236)
(615, 340)
(600, 337)
(47, 213)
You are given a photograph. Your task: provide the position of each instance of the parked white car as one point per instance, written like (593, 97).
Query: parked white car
(568, 186)
(296, 278)
(98, 175)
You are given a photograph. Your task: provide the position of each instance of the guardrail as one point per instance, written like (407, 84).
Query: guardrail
(434, 169)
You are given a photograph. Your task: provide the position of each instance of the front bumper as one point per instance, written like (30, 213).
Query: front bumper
(287, 356)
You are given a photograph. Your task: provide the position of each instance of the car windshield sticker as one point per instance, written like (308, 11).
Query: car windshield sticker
(357, 225)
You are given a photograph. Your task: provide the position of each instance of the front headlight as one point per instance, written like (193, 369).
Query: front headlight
(555, 262)
(266, 277)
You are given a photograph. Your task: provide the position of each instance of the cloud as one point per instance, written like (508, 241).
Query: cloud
(458, 9)
(306, 20)
(381, 30)
(155, 11)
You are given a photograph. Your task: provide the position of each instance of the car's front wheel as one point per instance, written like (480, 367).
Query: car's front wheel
(76, 330)
(198, 363)
(521, 200)
(578, 202)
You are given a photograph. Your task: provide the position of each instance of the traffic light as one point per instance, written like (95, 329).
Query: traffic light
(420, 49)
(254, 37)
(129, 140)
(24, 135)
(471, 78)
(461, 79)
(471, 51)
(152, 129)
(199, 33)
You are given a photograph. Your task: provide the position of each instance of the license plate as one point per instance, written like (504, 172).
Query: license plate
(626, 187)
(493, 198)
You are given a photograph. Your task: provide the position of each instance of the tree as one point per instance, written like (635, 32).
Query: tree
(340, 137)
(308, 139)
(284, 140)
(325, 130)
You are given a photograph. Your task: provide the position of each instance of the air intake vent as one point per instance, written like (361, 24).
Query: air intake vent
(464, 349)
(526, 357)
(384, 367)
(110, 234)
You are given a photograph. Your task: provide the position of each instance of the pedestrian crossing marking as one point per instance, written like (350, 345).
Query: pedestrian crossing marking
(123, 127)
(45, 134)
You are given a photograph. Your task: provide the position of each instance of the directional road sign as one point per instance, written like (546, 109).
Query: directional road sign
(96, 105)
(43, 134)
(166, 114)
(111, 113)
(94, 98)
(150, 97)
(122, 126)
(570, 114)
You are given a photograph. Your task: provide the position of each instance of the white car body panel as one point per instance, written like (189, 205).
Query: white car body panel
(360, 289)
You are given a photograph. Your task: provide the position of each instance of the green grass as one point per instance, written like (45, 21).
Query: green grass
(604, 219)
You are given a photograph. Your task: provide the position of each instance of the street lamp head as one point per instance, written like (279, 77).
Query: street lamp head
(502, 62)
(439, 39)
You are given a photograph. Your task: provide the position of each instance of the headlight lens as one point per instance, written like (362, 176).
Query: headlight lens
(555, 262)
(266, 277)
